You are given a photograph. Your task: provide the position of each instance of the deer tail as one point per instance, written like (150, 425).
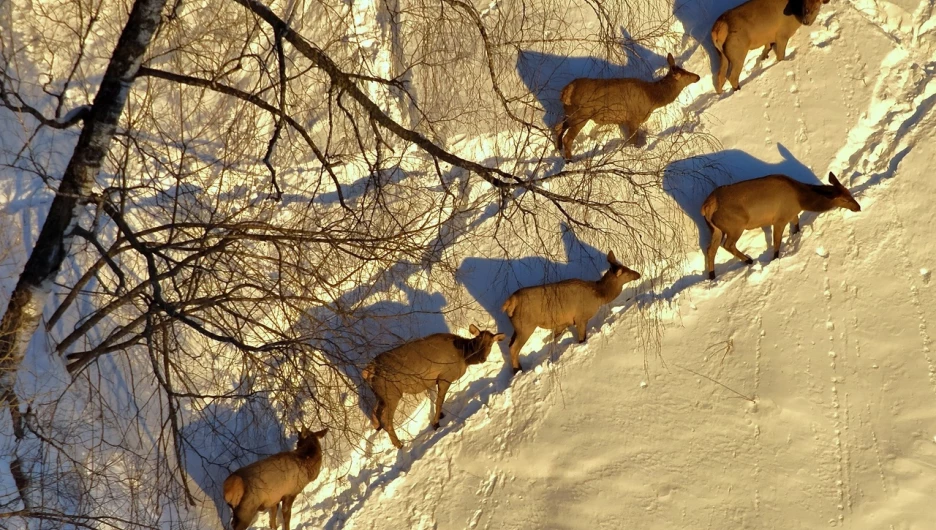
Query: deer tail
(559, 129)
(719, 34)
(510, 306)
(233, 490)
(709, 207)
(566, 95)
(368, 372)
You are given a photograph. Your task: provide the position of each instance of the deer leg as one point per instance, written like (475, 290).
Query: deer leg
(730, 241)
(560, 129)
(777, 237)
(633, 132)
(386, 421)
(723, 64)
(516, 343)
(440, 398)
(556, 333)
(287, 510)
(243, 516)
(795, 224)
(736, 53)
(378, 410)
(273, 516)
(780, 49)
(581, 327)
(712, 250)
(766, 51)
(572, 131)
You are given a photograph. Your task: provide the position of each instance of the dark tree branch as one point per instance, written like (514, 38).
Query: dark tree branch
(494, 176)
(255, 100)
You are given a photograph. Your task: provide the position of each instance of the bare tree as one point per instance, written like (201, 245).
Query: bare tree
(289, 190)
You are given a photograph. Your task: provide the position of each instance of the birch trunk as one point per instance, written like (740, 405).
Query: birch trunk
(24, 311)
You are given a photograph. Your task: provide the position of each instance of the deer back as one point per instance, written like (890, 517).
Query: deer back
(772, 199)
(559, 304)
(765, 21)
(268, 480)
(554, 304)
(415, 366)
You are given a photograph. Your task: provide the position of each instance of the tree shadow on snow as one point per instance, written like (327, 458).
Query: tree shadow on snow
(690, 181)
(225, 439)
(491, 281)
(545, 74)
(387, 310)
(697, 18)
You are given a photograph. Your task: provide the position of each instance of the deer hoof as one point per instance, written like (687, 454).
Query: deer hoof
(711, 275)
(776, 255)
(749, 261)
(435, 426)
(441, 415)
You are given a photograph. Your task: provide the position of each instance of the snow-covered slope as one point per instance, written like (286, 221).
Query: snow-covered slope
(793, 394)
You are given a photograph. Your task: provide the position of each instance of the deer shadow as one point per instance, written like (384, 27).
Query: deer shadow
(491, 281)
(225, 438)
(690, 181)
(697, 18)
(546, 74)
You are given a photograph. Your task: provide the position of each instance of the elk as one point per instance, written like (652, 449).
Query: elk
(417, 366)
(276, 479)
(774, 200)
(556, 306)
(756, 23)
(625, 101)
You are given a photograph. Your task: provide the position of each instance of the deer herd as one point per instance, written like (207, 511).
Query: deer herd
(436, 361)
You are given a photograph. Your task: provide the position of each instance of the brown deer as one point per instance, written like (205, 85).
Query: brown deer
(774, 200)
(274, 480)
(417, 366)
(624, 101)
(767, 23)
(556, 306)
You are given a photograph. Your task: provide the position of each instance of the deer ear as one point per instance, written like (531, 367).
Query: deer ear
(611, 258)
(321, 434)
(835, 182)
(825, 1)
(670, 60)
(499, 337)
(474, 330)
(619, 272)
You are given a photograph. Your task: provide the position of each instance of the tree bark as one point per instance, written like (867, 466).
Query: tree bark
(24, 310)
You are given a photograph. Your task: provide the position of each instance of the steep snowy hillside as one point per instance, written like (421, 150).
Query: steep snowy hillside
(798, 393)
(792, 394)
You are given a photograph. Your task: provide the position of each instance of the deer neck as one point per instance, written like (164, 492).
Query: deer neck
(471, 350)
(816, 198)
(608, 287)
(666, 90)
(311, 460)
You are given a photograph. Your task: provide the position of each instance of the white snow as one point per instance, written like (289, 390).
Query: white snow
(791, 394)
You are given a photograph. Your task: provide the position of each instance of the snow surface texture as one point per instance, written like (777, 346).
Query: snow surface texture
(791, 394)
(795, 394)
